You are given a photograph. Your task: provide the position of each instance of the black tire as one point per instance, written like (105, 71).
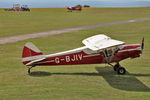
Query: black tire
(29, 71)
(116, 67)
(121, 71)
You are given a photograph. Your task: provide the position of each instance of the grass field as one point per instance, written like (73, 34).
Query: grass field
(82, 82)
(14, 23)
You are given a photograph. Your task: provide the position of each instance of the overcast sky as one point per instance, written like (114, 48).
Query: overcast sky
(64, 3)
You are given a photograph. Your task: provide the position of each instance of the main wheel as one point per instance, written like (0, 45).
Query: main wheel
(116, 67)
(121, 71)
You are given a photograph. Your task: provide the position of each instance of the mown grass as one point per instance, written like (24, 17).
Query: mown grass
(44, 19)
(82, 82)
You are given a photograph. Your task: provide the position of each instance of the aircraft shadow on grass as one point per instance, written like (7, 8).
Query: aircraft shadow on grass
(127, 82)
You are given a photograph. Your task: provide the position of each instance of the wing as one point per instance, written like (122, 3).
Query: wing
(101, 41)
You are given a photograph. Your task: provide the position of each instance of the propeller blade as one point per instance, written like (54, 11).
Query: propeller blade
(142, 45)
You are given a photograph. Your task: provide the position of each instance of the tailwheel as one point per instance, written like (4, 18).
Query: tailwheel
(29, 70)
(121, 70)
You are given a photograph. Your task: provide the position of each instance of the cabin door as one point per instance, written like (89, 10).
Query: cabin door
(109, 53)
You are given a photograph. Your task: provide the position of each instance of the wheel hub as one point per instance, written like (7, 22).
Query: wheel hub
(121, 71)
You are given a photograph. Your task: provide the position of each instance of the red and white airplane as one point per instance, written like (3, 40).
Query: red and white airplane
(74, 8)
(98, 49)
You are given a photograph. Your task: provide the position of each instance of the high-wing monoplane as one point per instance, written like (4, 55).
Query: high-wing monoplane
(98, 49)
(76, 8)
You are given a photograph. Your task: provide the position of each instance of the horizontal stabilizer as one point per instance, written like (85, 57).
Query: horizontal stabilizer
(34, 62)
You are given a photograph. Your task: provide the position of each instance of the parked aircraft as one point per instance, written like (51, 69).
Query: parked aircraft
(76, 8)
(98, 49)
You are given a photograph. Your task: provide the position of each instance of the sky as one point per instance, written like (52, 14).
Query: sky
(65, 3)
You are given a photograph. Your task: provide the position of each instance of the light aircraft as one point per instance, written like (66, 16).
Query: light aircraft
(74, 8)
(98, 49)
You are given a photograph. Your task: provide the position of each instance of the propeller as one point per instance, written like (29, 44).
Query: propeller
(142, 45)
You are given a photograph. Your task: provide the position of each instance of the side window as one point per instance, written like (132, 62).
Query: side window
(109, 52)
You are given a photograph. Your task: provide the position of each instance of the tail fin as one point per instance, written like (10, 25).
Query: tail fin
(30, 53)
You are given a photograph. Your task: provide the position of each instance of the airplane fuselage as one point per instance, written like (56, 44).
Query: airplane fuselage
(74, 8)
(84, 55)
